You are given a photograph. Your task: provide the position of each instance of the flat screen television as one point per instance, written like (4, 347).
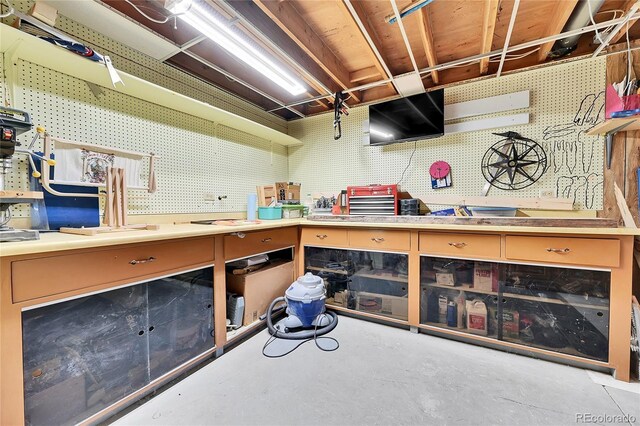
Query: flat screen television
(407, 119)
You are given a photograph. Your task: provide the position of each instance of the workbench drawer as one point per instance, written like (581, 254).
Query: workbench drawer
(324, 237)
(380, 239)
(45, 276)
(484, 246)
(239, 244)
(577, 251)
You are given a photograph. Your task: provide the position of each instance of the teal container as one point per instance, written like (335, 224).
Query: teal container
(269, 213)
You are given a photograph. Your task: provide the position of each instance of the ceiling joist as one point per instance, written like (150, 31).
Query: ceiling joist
(363, 74)
(557, 20)
(427, 42)
(490, 14)
(289, 20)
(627, 7)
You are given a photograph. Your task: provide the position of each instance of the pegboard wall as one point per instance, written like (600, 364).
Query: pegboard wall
(196, 156)
(566, 100)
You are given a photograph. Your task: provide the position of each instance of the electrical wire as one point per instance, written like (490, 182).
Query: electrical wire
(415, 146)
(315, 338)
(11, 9)
(157, 21)
(593, 21)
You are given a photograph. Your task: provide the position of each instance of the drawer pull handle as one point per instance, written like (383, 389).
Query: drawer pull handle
(557, 250)
(266, 240)
(239, 234)
(321, 236)
(377, 239)
(457, 245)
(137, 262)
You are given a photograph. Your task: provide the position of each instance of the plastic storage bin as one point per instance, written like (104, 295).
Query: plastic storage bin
(292, 211)
(269, 213)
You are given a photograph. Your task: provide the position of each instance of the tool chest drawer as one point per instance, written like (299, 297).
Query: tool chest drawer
(324, 237)
(578, 251)
(241, 244)
(45, 276)
(380, 239)
(456, 244)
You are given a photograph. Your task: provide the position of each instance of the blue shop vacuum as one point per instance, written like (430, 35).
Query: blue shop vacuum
(306, 315)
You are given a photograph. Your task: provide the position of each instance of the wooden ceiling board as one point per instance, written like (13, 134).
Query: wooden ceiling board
(388, 37)
(328, 20)
(456, 28)
(181, 35)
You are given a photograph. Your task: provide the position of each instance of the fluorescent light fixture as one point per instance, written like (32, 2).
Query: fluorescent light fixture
(380, 133)
(235, 43)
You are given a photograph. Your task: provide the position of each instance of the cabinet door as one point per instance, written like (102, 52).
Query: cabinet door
(180, 319)
(460, 295)
(559, 309)
(83, 355)
(370, 282)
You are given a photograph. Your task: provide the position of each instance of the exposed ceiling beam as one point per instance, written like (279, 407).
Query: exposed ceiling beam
(289, 20)
(478, 57)
(505, 48)
(363, 74)
(490, 14)
(557, 20)
(354, 13)
(394, 5)
(627, 7)
(427, 42)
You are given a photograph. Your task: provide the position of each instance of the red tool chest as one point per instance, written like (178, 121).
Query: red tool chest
(379, 200)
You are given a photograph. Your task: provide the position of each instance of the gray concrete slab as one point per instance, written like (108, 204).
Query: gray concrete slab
(380, 376)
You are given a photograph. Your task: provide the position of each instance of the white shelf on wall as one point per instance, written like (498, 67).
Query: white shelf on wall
(15, 45)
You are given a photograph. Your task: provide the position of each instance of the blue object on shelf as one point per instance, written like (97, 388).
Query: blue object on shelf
(72, 212)
(625, 113)
(269, 213)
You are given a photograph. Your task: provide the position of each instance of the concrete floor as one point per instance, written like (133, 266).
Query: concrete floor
(387, 376)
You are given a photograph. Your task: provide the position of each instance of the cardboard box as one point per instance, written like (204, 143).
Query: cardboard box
(394, 306)
(287, 191)
(341, 298)
(259, 288)
(485, 276)
(445, 278)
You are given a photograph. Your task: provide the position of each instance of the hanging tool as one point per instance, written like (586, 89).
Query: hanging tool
(339, 108)
(609, 141)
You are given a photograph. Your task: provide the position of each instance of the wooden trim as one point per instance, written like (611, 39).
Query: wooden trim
(620, 312)
(289, 20)
(490, 13)
(220, 294)
(36, 195)
(414, 280)
(427, 41)
(557, 20)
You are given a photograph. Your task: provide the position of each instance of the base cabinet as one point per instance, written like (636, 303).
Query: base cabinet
(364, 281)
(82, 355)
(563, 310)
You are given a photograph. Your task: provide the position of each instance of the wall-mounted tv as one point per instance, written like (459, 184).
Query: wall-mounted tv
(414, 117)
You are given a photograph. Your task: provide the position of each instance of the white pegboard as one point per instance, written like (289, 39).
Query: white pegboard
(193, 161)
(561, 95)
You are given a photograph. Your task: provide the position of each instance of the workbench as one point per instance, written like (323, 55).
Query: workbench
(62, 268)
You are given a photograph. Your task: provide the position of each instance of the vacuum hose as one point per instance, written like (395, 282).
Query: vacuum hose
(304, 334)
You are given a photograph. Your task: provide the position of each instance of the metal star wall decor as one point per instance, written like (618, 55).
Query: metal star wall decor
(514, 162)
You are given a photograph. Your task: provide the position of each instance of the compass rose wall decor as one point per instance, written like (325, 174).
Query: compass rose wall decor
(514, 162)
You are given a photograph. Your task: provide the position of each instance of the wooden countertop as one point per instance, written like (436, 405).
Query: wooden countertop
(54, 241)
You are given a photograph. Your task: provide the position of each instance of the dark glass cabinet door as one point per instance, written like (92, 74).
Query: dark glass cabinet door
(371, 282)
(558, 309)
(180, 320)
(82, 355)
